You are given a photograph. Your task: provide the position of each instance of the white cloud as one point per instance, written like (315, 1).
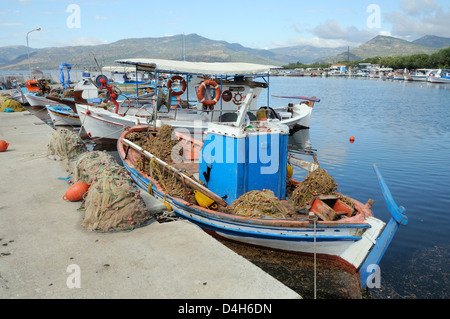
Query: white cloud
(333, 30)
(419, 18)
(419, 7)
(75, 41)
(10, 24)
(315, 42)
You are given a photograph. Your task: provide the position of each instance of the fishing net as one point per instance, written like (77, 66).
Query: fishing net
(259, 204)
(113, 202)
(316, 183)
(6, 103)
(160, 145)
(66, 144)
(67, 94)
(172, 184)
(3, 98)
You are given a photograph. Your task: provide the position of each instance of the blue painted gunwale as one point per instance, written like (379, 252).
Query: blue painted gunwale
(300, 234)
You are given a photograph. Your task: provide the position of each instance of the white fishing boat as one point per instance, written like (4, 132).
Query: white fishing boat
(63, 115)
(440, 76)
(226, 175)
(127, 81)
(420, 75)
(205, 92)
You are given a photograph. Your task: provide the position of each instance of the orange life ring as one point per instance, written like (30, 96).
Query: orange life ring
(201, 96)
(183, 83)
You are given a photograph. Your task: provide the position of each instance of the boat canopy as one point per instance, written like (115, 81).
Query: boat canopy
(201, 68)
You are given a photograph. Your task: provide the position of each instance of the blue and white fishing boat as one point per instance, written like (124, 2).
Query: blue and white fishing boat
(440, 76)
(63, 115)
(225, 165)
(421, 74)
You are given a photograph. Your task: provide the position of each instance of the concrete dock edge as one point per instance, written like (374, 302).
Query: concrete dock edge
(43, 247)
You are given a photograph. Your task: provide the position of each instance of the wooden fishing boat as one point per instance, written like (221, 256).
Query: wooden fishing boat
(63, 115)
(327, 227)
(204, 93)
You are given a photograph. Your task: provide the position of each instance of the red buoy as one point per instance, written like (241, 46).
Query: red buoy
(3, 146)
(352, 139)
(76, 191)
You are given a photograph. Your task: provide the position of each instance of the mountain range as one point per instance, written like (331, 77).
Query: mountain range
(197, 48)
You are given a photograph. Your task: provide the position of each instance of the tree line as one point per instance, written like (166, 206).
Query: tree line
(438, 60)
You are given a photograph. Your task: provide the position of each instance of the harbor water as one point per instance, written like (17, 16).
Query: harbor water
(403, 128)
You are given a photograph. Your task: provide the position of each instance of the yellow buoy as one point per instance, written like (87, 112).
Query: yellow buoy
(204, 201)
(290, 171)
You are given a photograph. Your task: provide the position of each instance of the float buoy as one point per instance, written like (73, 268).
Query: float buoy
(3, 146)
(290, 171)
(76, 191)
(352, 139)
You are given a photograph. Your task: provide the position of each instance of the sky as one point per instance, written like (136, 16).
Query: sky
(259, 24)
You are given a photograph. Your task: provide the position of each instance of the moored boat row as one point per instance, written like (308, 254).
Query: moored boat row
(230, 162)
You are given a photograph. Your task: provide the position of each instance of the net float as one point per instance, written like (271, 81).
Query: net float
(3, 145)
(76, 191)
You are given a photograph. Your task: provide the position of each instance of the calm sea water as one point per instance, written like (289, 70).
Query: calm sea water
(403, 128)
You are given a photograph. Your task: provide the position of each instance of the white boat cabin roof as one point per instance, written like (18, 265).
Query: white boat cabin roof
(118, 69)
(203, 68)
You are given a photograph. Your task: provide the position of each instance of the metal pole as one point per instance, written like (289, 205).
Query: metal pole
(28, 48)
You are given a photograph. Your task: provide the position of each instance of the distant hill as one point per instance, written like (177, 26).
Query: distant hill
(432, 41)
(306, 54)
(383, 46)
(197, 48)
(11, 53)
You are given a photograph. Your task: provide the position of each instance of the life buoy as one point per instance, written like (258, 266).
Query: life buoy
(183, 84)
(201, 96)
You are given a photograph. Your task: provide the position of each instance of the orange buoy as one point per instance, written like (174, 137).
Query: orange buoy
(3, 146)
(76, 191)
(352, 139)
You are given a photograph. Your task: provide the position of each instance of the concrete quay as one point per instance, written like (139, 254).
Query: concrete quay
(45, 253)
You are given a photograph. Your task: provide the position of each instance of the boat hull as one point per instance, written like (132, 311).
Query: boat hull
(39, 101)
(347, 241)
(437, 79)
(105, 124)
(61, 115)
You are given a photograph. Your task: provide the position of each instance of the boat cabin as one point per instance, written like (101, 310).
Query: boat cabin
(218, 89)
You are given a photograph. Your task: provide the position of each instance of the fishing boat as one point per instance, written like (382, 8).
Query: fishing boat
(63, 115)
(398, 76)
(127, 81)
(421, 74)
(205, 92)
(440, 76)
(222, 166)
